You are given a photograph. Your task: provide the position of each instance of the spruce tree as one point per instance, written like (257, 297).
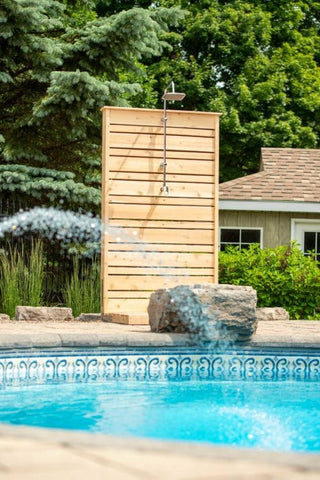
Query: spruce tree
(60, 62)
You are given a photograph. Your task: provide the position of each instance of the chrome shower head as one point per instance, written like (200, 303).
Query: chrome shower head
(172, 96)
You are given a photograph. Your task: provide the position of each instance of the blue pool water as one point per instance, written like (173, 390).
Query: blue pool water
(248, 398)
(276, 415)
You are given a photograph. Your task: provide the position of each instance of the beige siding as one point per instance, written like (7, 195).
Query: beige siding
(276, 225)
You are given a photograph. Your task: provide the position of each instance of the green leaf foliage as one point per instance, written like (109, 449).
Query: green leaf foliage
(256, 62)
(282, 277)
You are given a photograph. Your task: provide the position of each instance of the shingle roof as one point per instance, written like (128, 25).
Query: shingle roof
(287, 174)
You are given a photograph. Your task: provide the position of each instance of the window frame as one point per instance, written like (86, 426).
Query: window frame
(299, 226)
(240, 228)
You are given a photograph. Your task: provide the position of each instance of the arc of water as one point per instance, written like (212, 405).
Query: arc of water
(69, 228)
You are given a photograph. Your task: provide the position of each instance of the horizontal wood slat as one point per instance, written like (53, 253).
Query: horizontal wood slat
(180, 143)
(149, 259)
(160, 271)
(148, 117)
(126, 305)
(131, 282)
(166, 224)
(161, 235)
(129, 294)
(158, 130)
(163, 200)
(197, 190)
(160, 212)
(160, 247)
(153, 165)
(152, 154)
(158, 177)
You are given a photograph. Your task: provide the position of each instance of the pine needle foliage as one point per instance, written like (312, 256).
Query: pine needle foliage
(59, 64)
(48, 186)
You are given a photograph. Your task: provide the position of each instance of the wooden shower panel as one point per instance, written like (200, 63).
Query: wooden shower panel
(155, 240)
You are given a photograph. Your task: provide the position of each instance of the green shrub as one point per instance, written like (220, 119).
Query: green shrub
(282, 277)
(82, 292)
(21, 277)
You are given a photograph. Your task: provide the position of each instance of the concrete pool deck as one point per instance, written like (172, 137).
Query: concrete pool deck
(22, 334)
(41, 454)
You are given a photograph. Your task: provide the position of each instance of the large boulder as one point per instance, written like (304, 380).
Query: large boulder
(44, 314)
(206, 310)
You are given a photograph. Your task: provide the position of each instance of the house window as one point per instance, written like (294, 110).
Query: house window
(239, 237)
(312, 244)
(307, 233)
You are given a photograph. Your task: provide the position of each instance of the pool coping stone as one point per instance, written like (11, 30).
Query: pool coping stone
(22, 334)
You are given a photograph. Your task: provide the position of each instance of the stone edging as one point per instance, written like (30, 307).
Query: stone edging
(15, 335)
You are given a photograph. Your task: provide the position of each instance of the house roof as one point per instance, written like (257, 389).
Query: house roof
(286, 174)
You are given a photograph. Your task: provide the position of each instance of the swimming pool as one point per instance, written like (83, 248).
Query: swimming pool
(249, 398)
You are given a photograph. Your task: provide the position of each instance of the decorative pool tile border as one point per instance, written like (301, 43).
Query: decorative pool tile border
(93, 365)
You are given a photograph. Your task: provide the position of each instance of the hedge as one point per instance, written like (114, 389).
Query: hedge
(283, 277)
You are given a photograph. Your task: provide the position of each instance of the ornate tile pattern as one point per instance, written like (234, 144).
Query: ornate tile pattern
(95, 365)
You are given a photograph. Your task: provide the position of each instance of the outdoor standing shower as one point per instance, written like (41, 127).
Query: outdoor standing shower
(171, 97)
(162, 240)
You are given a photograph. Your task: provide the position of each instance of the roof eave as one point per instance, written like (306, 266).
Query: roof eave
(269, 206)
